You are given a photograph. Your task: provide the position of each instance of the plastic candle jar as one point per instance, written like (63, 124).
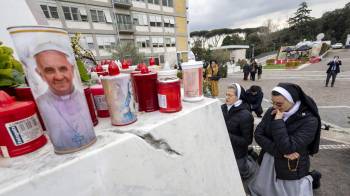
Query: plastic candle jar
(20, 129)
(192, 75)
(146, 90)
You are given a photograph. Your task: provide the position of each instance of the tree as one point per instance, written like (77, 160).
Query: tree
(232, 40)
(200, 52)
(299, 22)
(302, 15)
(128, 51)
(221, 56)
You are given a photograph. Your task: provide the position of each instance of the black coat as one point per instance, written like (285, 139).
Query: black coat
(240, 124)
(334, 63)
(246, 68)
(254, 100)
(280, 138)
(259, 69)
(253, 67)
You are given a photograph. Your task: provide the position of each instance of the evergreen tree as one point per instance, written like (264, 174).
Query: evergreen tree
(300, 22)
(302, 16)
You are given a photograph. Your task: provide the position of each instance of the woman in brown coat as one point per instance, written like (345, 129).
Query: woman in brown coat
(213, 78)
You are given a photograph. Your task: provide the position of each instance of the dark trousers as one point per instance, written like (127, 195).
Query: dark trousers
(332, 74)
(252, 76)
(246, 74)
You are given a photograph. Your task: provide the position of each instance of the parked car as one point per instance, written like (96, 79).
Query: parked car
(337, 46)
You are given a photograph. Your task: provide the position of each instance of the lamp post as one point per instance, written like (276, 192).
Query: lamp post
(253, 51)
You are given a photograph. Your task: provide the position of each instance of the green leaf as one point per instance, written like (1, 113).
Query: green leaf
(17, 66)
(6, 73)
(82, 71)
(6, 82)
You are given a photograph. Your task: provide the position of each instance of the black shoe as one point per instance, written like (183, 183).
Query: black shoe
(316, 176)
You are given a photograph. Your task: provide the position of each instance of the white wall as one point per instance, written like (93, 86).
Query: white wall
(102, 26)
(158, 50)
(55, 23)
(156, 29)
(168, 9)
(153, 7)
(169, 30)
(238, 54)
(145, 50)
(142, 28)
(171, 49)
(105, 1)
(78, 25)
(138, 4)
(14, 13)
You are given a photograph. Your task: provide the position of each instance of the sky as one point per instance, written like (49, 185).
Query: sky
(212, 14)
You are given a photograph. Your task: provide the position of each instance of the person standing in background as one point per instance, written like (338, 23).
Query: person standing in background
(246, 70)
(253, 69)
(333, 70)
(259, 70)
(255, 97)
(213, 78)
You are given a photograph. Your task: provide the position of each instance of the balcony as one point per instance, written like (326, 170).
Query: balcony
(126, 28)
(122, 3)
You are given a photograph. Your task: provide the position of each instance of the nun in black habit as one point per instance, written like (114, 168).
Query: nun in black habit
(288, 134)
(240, 126)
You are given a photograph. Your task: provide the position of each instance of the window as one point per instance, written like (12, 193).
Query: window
(153, 2)
(173, 43)
(71, 13)
(106, 42)
(124, 21)
(169, 41)
(50, 11)
(157, 42)
(143, 42)
(66, 12)
(140, 19)
(91, 46)
(169, 21)
(97, 16)
(83, 14)
(168, 3)
(155, 20)
(75, 13)
(53, 12)
(101, 16)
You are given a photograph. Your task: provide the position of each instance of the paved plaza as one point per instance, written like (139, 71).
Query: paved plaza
(333, 160)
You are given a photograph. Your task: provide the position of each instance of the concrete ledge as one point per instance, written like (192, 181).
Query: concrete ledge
(184, 154)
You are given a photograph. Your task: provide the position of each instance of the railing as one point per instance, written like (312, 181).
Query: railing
(125, 27)
(126, 2)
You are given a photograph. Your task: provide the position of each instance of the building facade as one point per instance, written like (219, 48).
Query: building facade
(157, 27)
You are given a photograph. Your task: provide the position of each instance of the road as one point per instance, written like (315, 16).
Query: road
(333, 160)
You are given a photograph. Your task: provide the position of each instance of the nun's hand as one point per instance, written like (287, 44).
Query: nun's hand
(279, 114)
(292, 156)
